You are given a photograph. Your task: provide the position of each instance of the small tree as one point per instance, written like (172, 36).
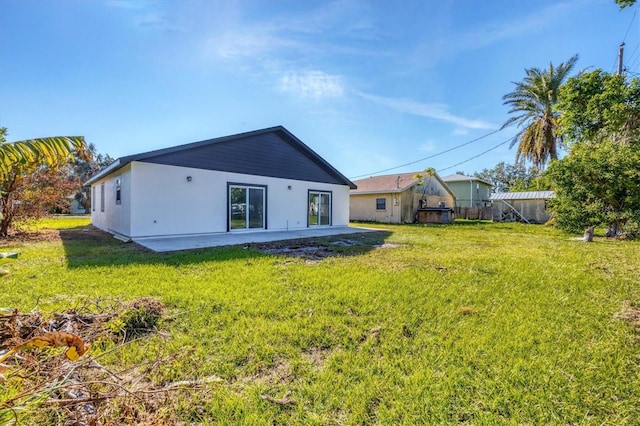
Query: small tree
(22, 158)
(43, 192)
(597, 183)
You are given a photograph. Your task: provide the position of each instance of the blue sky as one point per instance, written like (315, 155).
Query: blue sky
(369, 85)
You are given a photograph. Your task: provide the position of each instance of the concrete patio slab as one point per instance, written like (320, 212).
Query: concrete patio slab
(190, 242)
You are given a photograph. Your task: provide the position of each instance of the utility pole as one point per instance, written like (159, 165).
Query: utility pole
(620, 56)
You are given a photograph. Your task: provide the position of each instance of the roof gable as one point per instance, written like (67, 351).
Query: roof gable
(463, 178)
(273, 152)
(386, 183)
(393, 183)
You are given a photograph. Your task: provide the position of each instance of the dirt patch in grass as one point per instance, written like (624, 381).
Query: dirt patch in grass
(316, 249)
(631, 314)
(316, 356)
(281, 372)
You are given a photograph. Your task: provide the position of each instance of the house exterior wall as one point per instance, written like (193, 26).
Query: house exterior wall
(362, 207)
(105, 213)
(159, 200)
(471, 193)
(434, 193)
(408, 207)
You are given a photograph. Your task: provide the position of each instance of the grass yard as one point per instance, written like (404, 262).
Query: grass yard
(473, 323)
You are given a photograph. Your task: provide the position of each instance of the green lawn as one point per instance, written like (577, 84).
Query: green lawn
(475, 323)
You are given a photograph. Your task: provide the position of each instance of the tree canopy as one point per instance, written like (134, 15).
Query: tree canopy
(625, 3)
(598, 182)
(512, 177)
(598, 105)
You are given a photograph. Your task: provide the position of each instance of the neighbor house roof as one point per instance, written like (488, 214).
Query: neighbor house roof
(386, 183)
(395, 183)
(463, 178)
(273, 152)
(529, 195)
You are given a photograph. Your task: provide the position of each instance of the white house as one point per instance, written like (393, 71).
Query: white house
(256, 181)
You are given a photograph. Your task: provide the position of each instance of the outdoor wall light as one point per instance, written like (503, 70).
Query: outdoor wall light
(189, 178)
(289, 187)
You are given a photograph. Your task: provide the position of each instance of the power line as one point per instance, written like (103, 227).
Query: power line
(635, 12)
(475, 156)
(633, 59)
(430, 156)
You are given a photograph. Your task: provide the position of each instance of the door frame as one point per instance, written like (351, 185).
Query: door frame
(319, 191)
(228, 204)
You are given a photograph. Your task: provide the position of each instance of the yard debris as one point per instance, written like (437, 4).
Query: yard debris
(76, 346)
(83, 392)
(467, 310)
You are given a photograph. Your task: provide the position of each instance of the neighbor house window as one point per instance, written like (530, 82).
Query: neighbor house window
(381, 203)
(102, 197)
(93, 198)
(118, 190)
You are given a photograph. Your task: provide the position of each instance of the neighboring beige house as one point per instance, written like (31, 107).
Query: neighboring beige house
(396, 198)
(530, 207)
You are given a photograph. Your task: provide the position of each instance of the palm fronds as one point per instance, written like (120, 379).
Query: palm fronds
(533, 101)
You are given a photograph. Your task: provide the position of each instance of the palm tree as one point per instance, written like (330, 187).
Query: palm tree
(533, 100)
(22, 157)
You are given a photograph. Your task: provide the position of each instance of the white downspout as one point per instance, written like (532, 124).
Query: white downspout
(471, 192)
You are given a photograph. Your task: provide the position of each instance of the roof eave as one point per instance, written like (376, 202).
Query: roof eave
(391, 191)
(104, 172)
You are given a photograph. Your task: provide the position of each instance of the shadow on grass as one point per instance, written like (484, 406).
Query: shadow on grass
(86, 246)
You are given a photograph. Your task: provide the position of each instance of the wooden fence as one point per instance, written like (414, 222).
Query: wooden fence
(474, 213)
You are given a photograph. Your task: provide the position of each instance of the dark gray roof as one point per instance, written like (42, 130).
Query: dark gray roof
(272, 152)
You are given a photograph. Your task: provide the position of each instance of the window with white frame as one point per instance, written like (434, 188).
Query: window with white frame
(381, 203)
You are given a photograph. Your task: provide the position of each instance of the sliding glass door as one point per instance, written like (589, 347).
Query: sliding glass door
(319, 208)
(246, 207)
